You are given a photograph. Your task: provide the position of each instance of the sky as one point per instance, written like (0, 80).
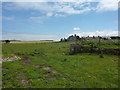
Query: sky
(46, 20)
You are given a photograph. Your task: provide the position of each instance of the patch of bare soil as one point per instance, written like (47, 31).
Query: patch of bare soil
(2, 69)
(23, 81)
(49, 71)
(114, 60)
(37, 66)
(52, 78)
(9, 59)
(46, 68)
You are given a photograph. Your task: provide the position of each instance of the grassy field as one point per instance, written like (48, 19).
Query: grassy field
(45, 65)
(31, 42)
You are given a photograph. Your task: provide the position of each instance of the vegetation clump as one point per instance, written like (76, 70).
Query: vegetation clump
(7, 41)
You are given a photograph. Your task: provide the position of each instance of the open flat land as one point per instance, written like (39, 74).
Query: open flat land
(45, 65)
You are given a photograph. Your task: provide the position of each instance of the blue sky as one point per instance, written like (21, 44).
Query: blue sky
(55, 20)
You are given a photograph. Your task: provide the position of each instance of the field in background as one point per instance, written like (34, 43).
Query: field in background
(45, 65)
(32, 41)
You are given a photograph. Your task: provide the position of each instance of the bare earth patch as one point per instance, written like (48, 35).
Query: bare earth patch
(2, 69)
(9, 59)
(37, 66)
(23, 81)
(52, 78)
(46, 68)
(26, 60)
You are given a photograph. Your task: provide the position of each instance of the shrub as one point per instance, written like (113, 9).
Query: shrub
(7, 41)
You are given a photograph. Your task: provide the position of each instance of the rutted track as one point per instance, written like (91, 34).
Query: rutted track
(48, 69)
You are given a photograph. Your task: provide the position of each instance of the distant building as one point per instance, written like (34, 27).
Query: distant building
(73, 38)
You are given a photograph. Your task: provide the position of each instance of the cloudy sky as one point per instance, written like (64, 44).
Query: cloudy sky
(46, 20)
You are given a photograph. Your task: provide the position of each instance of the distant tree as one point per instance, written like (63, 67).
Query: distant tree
(65, 40)
(75, 35)
(105, 38)
(7, 41)
(100, 37)
(71, 36)
(115, 37)
(61, 40)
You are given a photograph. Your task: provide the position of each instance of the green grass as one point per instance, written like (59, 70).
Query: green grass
(72, 71)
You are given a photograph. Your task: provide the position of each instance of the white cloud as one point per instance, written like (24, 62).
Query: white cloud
(48, 0)
(29, 36)
(98, 33)
(66, 8)
(59, 15)
(76, 28)
(107, 5)
(49, 14)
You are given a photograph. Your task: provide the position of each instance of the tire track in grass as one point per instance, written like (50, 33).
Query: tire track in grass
(26, 61)
(48, 70)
